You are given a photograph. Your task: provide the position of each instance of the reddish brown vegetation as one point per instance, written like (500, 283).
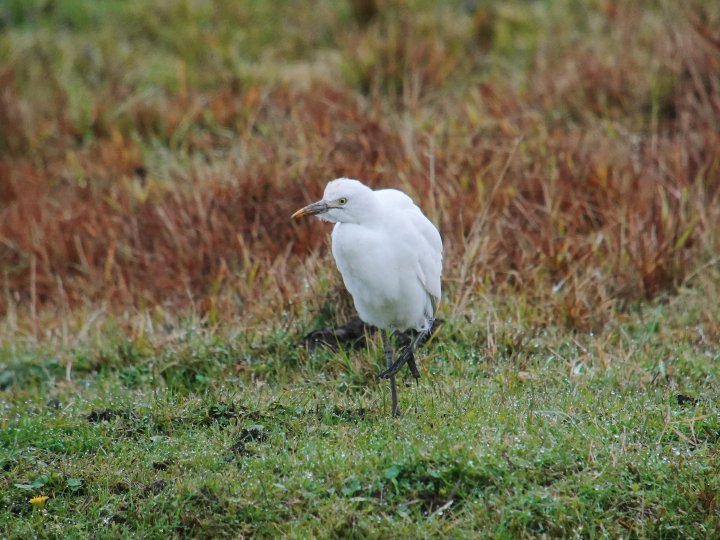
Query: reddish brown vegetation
(589, 181)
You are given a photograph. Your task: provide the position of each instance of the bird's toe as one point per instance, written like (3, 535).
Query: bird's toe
(413, 367)
(393, 369)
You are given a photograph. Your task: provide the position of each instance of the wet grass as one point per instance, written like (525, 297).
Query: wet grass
(556, 434)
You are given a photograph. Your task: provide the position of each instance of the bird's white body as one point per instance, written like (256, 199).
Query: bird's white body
(389, 255)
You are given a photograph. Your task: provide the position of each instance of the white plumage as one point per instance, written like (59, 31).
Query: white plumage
(390, 258)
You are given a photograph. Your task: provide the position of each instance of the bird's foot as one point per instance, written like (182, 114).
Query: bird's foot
(406, 356)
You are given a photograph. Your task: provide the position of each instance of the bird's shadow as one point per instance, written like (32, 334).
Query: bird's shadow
(355, 335)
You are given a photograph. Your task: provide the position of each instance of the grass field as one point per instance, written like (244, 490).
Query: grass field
(155, 295)
(517, 430)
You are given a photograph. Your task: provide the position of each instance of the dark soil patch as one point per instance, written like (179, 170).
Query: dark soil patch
(53, 404)
(119, 488)
(249, 434)
(101, 415)
(224, 413)
(687, 400)
(350, 415)
(164, 464)
(155, 487)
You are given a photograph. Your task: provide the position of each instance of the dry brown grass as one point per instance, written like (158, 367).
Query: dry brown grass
(592, 181)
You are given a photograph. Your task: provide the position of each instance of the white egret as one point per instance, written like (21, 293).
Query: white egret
(390, 258)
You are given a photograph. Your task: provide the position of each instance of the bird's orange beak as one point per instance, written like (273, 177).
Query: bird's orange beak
(312, 209)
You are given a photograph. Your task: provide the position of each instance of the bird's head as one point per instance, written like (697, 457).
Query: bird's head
(344, 201)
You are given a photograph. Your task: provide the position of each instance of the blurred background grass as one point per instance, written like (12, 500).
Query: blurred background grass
(151, 152)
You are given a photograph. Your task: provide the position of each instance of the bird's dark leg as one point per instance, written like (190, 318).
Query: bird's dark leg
(388, 349)
(412, 366)
(407, 355)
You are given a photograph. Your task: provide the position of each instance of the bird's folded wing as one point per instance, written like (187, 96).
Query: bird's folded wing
(424, 233)
(430, 256)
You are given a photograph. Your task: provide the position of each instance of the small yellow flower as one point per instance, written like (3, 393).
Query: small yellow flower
(40, 499)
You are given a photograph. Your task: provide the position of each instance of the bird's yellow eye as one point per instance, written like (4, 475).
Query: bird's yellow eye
(342, 201)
